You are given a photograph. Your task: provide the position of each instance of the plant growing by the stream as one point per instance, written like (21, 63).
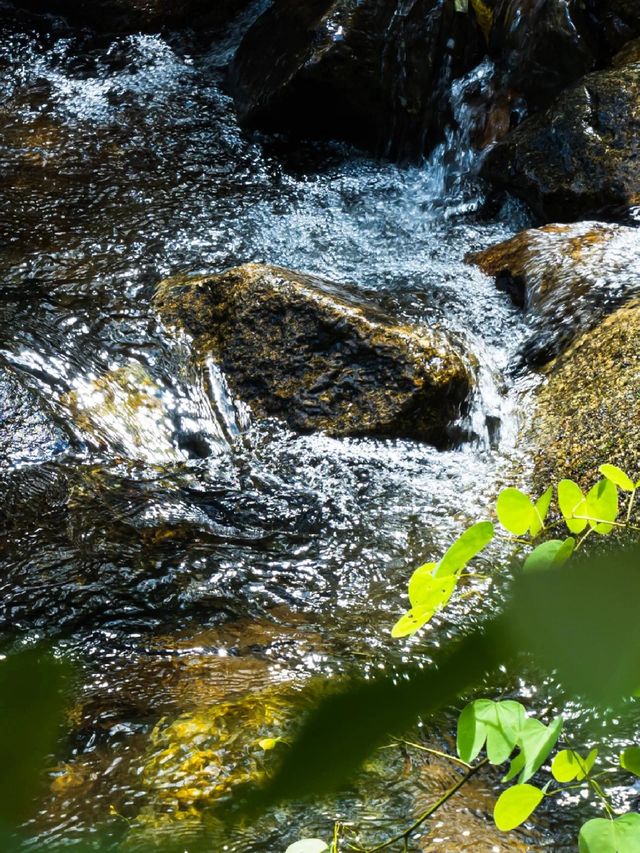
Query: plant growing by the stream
(432, 585)
(503, 729)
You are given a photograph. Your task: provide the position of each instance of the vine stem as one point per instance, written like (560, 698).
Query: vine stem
(630, 507)
(453, 758)
(404, 836)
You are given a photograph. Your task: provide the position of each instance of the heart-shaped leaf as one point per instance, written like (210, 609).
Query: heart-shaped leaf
(541, 510)
(496, 723)
(572, 502)
(602, 503)
(630, 760)
(412, 621)
(621, 835)
(536, 742)
(617, 476)
(568, 765)
(465, 548)
(515, 511)
(549, 554)
(515, 805)
(432, 593)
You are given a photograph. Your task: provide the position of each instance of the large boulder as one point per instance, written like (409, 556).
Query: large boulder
(540, 48)
(302, 349)
(567, 277)
(588, 411)
(581, 156)
(373, 72)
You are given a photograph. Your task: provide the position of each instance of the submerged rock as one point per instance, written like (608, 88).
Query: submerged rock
(588, 411)
(581, 156)
(302, 349)
(567, 277)
(28, 432)
(376, 73)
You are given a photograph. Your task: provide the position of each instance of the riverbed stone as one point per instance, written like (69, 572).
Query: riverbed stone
(588, 410)
(568, 277)
(308, 351)
(374, 72)
(580, 157)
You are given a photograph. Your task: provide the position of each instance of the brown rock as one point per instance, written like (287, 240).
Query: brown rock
(568, 277)
(588, 412)
(303, 349)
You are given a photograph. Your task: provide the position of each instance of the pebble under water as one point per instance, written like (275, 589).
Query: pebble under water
(187, 556)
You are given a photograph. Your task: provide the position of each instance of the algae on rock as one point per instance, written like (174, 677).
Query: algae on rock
(305, 350)
(588, 412)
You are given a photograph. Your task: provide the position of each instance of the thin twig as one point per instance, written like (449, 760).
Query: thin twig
(403, 836)
(437, 752)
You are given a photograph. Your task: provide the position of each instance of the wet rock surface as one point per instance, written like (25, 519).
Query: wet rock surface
(145, 15)
(375, 73)
(542, 47)
(567, 277)
(28, 432)
(301, 348)
(588, 411)
(581, 156)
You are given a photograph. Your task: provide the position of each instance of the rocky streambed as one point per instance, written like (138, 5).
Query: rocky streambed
(251, 376)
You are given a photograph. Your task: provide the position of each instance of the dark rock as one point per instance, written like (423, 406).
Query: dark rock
(581, 156)
(541, 48)
(304, 350)
(588, 411)
(567, 277)
(373, 72)
(141, 15)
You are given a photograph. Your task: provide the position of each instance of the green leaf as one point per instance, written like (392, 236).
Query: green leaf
(536, 742)
(549, 555)
(602, 503)
(617, 476)
(472, 733)
(425, 590)
(412, 621)
(308, 845)
(630, 760)
(541, 510)
(621, 835)
(572, 502)
(517, 763)
(515, 805)
(497, 723)
(515, 511)
(465, 548)
(568, 765)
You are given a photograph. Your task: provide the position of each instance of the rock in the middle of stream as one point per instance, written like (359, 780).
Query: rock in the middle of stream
(303, 349)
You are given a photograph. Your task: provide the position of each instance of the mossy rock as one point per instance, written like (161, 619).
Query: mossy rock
(581, 156)
(588, 411)
(567, 277)
(305, 350)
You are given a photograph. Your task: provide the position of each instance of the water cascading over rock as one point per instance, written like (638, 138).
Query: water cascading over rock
(307, 351)
(373, 72)
(567, 277)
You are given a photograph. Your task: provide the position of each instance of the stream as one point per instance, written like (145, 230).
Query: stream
(181, 552)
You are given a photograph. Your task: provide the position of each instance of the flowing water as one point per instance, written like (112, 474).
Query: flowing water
(182, 552)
